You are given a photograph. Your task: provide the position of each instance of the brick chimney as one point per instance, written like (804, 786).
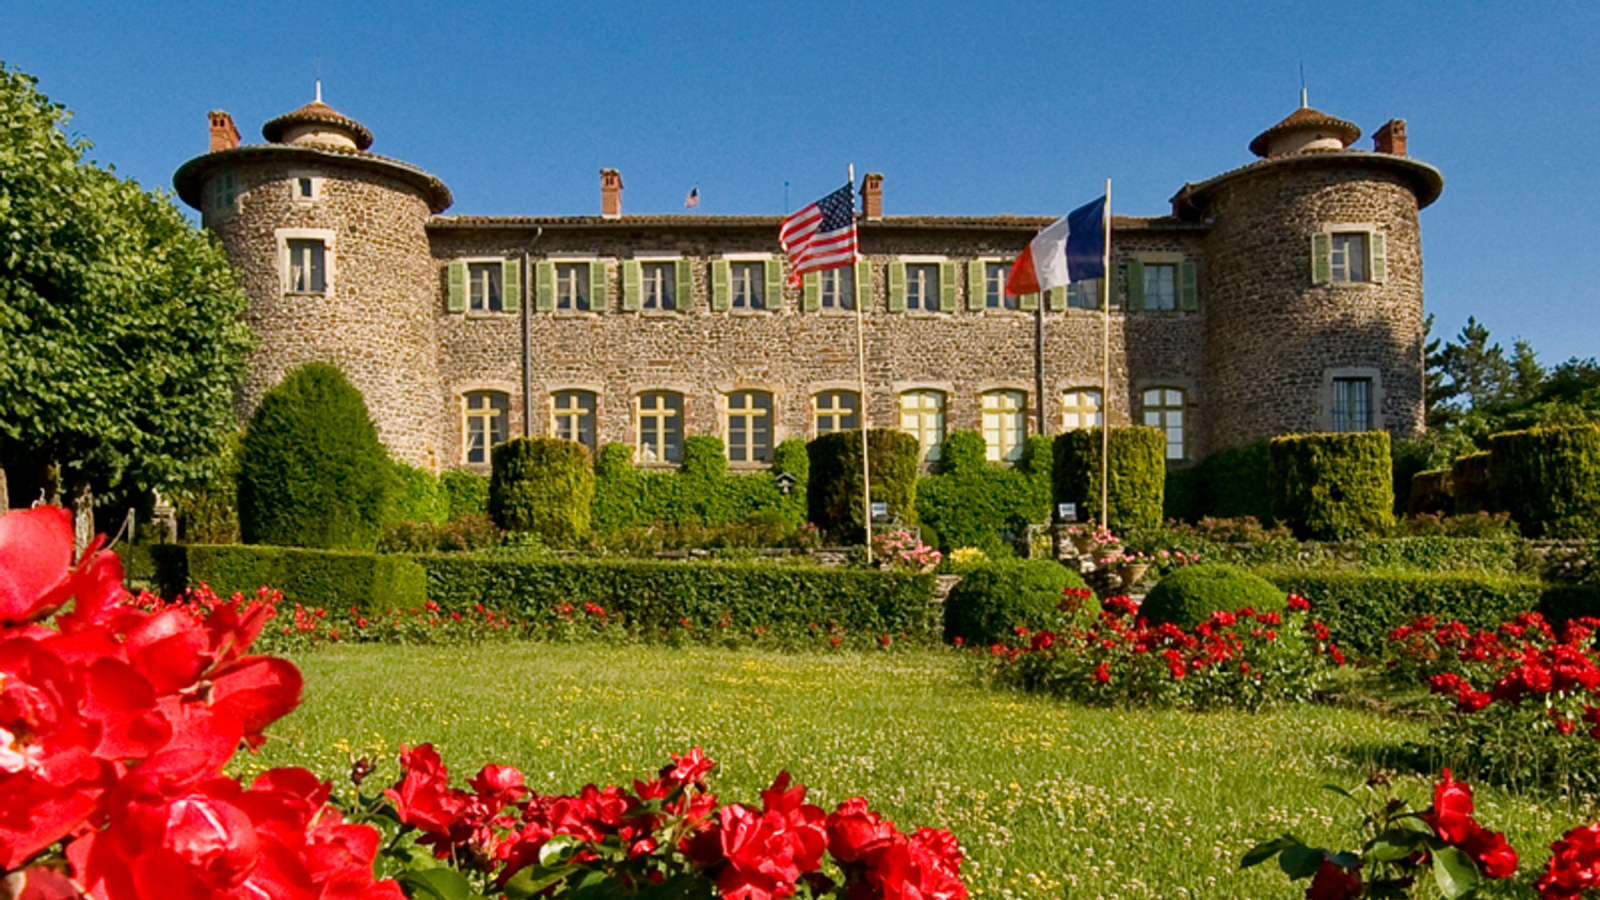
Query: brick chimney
(872, 195)
(224, 134)
(1391, 138)
(610, 194)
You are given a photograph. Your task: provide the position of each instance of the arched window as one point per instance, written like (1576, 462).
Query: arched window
(1005, 424)
(1081, 408)
(572, 417)
(922, 415)
(1163, 409)
(659, 418)
(749, 426)
(486, 418)
(836, 411)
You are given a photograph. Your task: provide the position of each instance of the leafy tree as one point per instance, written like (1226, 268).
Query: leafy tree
(121, 342)
(1527, 376)
(1478, 370)
(1438, 413)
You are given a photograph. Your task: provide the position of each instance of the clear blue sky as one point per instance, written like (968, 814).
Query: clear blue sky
(970, 108)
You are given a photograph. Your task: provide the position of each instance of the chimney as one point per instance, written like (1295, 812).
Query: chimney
(1391, 138)
(610, 194)
(224, 134)
(872, 196)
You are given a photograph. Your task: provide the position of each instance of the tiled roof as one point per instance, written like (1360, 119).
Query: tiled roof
(189, 180)
(317, 113)
(1305, 119)
(1427, 181)
(969, 223)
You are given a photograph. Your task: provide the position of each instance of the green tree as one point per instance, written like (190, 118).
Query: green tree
(1479, 372)
(1527, 376)
(121, 342)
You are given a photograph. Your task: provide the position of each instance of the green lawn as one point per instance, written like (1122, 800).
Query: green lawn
(1049, 799)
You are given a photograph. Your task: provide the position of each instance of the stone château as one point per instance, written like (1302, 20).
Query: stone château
(1282, 296)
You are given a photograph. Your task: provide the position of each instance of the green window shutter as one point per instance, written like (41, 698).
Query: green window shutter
(544, 286)
(976, 284)
(897, 286)
(720, 278)
(632, 286)
(684, 298)
(597, 286)
(1380, 257)
(811, 292)
(863, 285)
(947, 287)
(1028, 302)
(1188, 286)
(456, 301)
(511, 285)
(773, 269)
(1135, 270)
(1321, 258)
(1056, 299)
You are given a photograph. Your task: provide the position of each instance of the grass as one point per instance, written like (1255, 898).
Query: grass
(1049, 799)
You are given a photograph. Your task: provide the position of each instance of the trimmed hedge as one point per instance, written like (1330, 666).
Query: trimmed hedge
(1137, 475)
(542, 485)
(834, 497)
(466, 492)
(1469, 484)
(652, 594)
(1189, 595)
(1236, 484)
(627, 497)
(416, 497)
(1548, 479)
(1429, 492)
(370, 582)
(992, 601)
(970, 502)
(1332, 486)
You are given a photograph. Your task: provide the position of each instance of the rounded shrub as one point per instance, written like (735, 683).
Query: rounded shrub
(312, 472)
(1136, 475)
(834, 489)
(1191, 594)
(1332, 487)
(992, 600)
(1548, 479)
(544, 486)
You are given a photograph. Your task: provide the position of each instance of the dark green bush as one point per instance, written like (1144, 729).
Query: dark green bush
(652, 594)
(993, 600)
(466, 492)
(369, 582)
(1183, 497)
(1235, 480)
(701, 493)
(311, 470)
(1469, 483)
(1429, 451)
(1191, 594)
(1548, 479)
(962, 452)
(1332, 486)
(1137, 475)
(971, 502)
(1429, 492)
(416, 496)
(705, 457)
(208, 510)
(834, 495)
(542, 485)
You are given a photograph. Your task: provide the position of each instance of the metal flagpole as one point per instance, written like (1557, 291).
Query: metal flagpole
(861, 370)
(1038, 358)
(1105, 363)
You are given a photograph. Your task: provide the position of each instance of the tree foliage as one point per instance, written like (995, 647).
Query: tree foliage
(1475, 389)
(121, 342)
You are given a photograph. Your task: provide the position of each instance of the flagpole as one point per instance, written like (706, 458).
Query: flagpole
(1105, 364)
(1038, 359)
(861, 371)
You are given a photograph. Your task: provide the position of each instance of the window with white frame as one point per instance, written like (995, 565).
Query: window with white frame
(1081, 408)
(1160, 286)
(747, 280)
(572, 287)
(1005, 424)
(994, 286)
(1352, 404)
(922, 416)
(922, 286)
(838, 287)
(749, 426)
(1163, 410)
(659, 282)
(658, 416)
(483, 286)
(1347, 256)
(572, 417)
(307, 266)
(836, 411)
(486, 415)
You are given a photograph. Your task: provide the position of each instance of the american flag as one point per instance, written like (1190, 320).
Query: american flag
(822, 235)
(693, 200)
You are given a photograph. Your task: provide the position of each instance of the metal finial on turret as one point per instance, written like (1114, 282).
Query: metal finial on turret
(1303, 103)
(319, 92)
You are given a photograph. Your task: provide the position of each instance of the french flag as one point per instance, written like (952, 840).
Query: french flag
(1069, 249)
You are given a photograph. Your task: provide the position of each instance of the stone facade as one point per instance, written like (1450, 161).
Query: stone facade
(1252, 356)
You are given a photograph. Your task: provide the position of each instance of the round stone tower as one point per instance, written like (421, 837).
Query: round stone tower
(332, 251)
(1312, 285)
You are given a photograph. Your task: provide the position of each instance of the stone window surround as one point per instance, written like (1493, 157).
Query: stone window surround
(1191, 406)
(1367, 228)
(500, 313)
(766, 259)
(597, 293)
(1161, 258)
(680, 305)
(330, 257)
(984, 261)
(924, 259)
(461, 390)
(294, 187)
(725, 389)
(1325, 396)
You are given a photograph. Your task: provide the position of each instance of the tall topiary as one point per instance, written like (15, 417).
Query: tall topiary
(1136, 477)
(963, 452)
(311, 470)
(834, 491)
(1332, 486)
(1548, 479)
(544, 486)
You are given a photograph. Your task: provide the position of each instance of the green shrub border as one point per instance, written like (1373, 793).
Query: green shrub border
(334, 579)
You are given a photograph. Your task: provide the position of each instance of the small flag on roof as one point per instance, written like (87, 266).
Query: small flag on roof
(693, 200)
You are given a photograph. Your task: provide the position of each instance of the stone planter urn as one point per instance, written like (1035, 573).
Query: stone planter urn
(1107, 554)
(1132, 573)
(1084, 543)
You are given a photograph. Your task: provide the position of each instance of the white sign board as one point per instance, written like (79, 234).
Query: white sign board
(880, 509)
(1067, 512)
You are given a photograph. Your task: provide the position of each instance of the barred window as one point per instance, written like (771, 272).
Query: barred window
(1352, 404)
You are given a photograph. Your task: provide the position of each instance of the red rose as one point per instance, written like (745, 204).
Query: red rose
(1451, 816)
(1495, 857)
(856, 834)
(1574, 865)
(1334, 883)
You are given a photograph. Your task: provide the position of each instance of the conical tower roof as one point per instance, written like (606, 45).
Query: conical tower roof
(319, 115)
(1305, 119)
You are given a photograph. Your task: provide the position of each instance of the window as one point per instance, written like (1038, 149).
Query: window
(1163, 409)
(660, 421)
(1160, 286)
(486, 414)
(922, 416)
(922, 286)
(305, 188)
(1081, 408)
(750, 426)
(572, 417)
(659, 280)
(994, 286)
(746, 283)
(838, 288)
(1352, 404)
(483, 287)
(223, 193)
(836, 411)
(572, 287)
(1347, 257)
(1084, 294)
(1005, 424)
(307, 266)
